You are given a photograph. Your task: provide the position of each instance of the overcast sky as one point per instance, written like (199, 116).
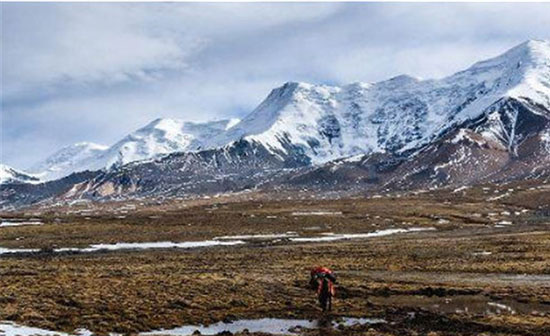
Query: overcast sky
(96, 71)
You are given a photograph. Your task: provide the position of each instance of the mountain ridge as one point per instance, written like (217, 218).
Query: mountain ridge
(289, 111)
(490, 122)
(159, 137)
(316, 117)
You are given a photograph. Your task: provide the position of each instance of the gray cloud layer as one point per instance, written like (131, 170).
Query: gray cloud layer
(94, 72)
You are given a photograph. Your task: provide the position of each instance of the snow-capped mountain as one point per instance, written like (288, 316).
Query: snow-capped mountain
(490, 122)
(163, 136)
(10, 175)
(160, 137)
(325, 123)
(399, 114)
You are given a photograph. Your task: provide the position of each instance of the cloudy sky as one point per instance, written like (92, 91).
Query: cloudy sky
(94, 72)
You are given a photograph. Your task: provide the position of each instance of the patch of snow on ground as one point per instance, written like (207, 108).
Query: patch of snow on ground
(332, 237)
(151, 245)
(482, 253)
(498, 197)
(504, 223)
(8, 328)
(271, 326)
(460, 189)
(8, 250)
(258, 236)
(12, 329)
(317, 213)
(501, 306)
(132, 246)
(9, 223)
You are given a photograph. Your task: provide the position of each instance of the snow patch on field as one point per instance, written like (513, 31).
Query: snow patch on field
(151, 245)
(132, 246)
(498, 197)
(8, 328)
(482, 253)
(22, 223)
(271, 326)
(219, 241)
(502, 307)
(504, 223)
(258, 236)
(460, 189)
(317, 213)
(332, 236)
(8, 250)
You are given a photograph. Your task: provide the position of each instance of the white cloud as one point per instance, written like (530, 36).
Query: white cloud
(79, 44)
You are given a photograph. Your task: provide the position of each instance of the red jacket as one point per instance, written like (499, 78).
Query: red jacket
(327, 272)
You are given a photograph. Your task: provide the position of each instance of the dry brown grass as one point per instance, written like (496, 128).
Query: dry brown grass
(136, 291)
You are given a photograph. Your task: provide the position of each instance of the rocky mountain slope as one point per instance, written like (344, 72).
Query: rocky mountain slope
(474, 152)
(489, 122)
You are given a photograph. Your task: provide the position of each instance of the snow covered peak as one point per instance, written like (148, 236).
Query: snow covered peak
(163, 124)
(66, 160)
(539, 49)
(326, 122)
(394, 115)
(290, 107)
(533, 63)
(160, 137)
(11, 175)
(526, 54)
(163, 136)
(522, 71)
